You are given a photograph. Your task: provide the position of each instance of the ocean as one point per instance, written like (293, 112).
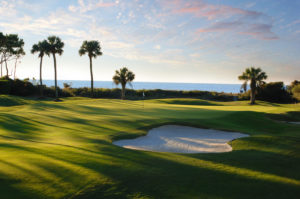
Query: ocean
(227, 88)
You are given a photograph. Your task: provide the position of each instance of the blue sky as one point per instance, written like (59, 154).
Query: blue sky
(161, 40)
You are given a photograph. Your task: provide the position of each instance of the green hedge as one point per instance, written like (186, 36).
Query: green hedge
(151, 94)
(5, 86)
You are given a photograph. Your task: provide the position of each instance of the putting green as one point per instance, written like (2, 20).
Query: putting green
(64, 150)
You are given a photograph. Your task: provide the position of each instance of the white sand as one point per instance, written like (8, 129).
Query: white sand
(182, 139)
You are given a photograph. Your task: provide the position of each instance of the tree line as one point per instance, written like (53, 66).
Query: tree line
(12, 48)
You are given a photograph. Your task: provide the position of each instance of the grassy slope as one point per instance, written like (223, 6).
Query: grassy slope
(64, 150)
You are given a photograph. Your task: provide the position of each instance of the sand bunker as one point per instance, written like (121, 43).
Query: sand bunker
(182, 139)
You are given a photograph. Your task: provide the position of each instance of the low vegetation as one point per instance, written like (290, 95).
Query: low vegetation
(26, 88)
(65, 150)
(272, 92)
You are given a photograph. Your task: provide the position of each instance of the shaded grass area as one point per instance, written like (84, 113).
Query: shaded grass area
(6, 100)
(189, 102)
(292, 116)
(64, 150)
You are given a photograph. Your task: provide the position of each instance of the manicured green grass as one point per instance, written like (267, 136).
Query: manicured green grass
(64, 150)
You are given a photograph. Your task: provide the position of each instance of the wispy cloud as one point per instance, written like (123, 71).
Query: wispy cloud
(85, 6)
(209, 11)
(165, 33)
(259, 31)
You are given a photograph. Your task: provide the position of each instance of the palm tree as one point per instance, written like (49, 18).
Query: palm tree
(93, 49)
(256, 77)
(55, 46)
(43, 49)
(123, 76)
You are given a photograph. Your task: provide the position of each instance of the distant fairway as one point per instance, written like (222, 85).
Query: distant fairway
(64, 150)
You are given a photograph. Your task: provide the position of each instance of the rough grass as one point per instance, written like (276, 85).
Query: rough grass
(63, 150)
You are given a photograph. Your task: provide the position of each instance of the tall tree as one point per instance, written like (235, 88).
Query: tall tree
(123, 76)
(18, 56)
(11, 48)
(2, 41)
(55, 46)
(256, 77)
(92, 49)
(42, 48)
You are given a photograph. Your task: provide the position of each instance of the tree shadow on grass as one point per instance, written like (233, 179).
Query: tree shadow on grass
(189, 102)
(149, 174)
(156, 175)
(162, 175)
(19, 126)
(291, 116)
(8, 188)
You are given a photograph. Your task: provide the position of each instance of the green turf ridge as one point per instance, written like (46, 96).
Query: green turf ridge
(64, 150)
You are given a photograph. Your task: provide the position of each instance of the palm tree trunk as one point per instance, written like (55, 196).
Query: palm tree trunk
(253, 91)
(41, 81)
(55, 75)
(252, 97)
(92, 79)
(123, 91)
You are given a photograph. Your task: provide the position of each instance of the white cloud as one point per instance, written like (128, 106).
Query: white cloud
(88, 5)
(7, 9)
(157, 47)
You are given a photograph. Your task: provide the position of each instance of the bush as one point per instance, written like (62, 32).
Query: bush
(5, 87)
(274, 92)
(245, 95)
(296, 91)
(50, 92)
(22, 88)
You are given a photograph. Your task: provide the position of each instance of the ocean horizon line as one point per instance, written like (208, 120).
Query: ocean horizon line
(37, 80)
(137, 85)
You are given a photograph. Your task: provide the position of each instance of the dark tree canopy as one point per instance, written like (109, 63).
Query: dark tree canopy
(55, 45)
(92, 48)
(42, 48)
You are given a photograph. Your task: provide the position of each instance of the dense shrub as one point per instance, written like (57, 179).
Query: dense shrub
(22, 88)
(296, 91)
(151, 94)
(50, 92)
(245, 95)
(274, 92)
(5, 87)
(271, 92)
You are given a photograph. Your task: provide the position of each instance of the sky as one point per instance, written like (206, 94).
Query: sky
(196, 41)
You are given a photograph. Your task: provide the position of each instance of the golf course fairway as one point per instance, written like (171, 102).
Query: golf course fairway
(64, 150)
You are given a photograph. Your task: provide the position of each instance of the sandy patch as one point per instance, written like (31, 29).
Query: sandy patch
(182, 139)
